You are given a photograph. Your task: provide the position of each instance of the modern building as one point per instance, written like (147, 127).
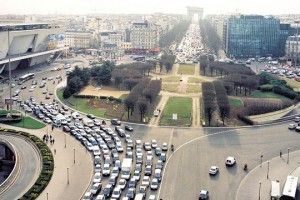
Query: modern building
(292, 48)
(78, 39)
(144, 35)
(252, 36)
(26, 45)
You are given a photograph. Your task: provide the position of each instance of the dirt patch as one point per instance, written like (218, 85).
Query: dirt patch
(112, 108)
(102, 91)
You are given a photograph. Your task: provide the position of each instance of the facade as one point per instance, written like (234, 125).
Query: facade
(292, 48)
(144, 35)
(78, 39)
(28, 44)
(251, 36)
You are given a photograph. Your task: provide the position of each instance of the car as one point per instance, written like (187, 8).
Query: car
(87, 196)
(97, 168)
(297, 119)
(96, 188)
(136, 175)
(163, 157)
(116, 193)
(100, 197)
(153, 144)
(112, 180)
(97, 177)
(107, 190)
(297, 129)
(213, 170)
(164, 147)
(115, 122)
(147, 146)
(90, 116)
(154, 184)
(66, 129)
(106, 170)
(130, 193)
(132, 183)
(128, 128)
(152, 197)
(148, 170)
(292, 126)
(157, 151)
(146, 181)
(230, 161)
(203, 195)
(122, 183)
(23, 87)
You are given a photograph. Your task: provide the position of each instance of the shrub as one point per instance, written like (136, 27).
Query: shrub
(266, 88)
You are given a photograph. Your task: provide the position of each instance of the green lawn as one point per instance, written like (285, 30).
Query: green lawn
(80, 104)
(171, 79)
(182, 106)
(294, 84)
(186, 69)
(193, 88)
(195, 80)
(170, 87)
(259, 94)
(235, 102)
(30, 123)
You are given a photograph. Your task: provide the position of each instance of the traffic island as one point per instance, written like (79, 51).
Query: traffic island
(47, 164)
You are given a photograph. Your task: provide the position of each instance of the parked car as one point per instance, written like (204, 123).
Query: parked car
(128, 128)
(115, 122)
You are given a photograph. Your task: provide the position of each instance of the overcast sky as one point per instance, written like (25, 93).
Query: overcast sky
(148, 6)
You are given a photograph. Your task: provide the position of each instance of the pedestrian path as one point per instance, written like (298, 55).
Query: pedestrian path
(260, 177)
(196, 112)
(155, 120)
(80, 172)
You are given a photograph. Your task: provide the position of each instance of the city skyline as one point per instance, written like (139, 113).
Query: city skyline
(164, 6)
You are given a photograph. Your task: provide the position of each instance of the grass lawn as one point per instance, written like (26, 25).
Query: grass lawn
(171, 79)
(193, 88)
(259, 94)
(195, 80)
(30, 123)
(180, 105)
(235, 102)
(170, 87)
(81, 105)
(186, 69)
(294, 84)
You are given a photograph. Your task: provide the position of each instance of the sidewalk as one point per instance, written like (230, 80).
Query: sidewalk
(80, 173)
(278, 170)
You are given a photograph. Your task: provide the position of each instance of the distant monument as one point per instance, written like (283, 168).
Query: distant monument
(191, 11)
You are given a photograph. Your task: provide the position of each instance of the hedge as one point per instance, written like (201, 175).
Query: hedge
(110, 98)
(47, 165)
(266, 88)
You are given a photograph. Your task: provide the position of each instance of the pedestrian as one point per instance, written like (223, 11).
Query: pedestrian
(53, 140)
(52, 127)
(54, 151)
(280, 153)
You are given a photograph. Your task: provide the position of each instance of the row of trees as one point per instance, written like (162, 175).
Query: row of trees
(141, 96)
(222, 100)
(174, 35)
(167, 61)
(209, 100)
(102, 73)
(210, 36)
(239, 82)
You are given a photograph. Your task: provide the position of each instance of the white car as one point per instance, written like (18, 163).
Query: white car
(164, 147)
(297, 119)
(147, 146)
(106, 170)
(230, 161)
(97, 178)
(154, 184)
(116, 193)
(153, 144)
(96, 188)
(213, 170)
(292, 126)
(152, 197)
(146, 181)
(203, 194)
(122, 183)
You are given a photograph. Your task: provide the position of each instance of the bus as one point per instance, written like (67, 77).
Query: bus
(290, 188)
(26, 77)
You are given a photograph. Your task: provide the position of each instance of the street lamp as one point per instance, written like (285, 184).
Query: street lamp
(259, 190)
(261, 159)
(9, 70)
(65, 141)
(74, 155)
(288, 156)
(68, 176)
(268, 169)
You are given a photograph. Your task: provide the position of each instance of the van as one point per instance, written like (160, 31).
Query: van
(275, 190)
(139, 196)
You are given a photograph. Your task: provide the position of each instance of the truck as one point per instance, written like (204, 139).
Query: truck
(88, 122)
(126, 168)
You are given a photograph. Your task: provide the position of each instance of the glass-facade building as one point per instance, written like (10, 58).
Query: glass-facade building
(252, 36)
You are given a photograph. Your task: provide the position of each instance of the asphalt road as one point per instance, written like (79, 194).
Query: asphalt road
(28, 171)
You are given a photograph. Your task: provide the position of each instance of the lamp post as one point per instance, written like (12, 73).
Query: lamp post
(9, 71)
(68, 176)
(268, 169)
(47, 195)
(261, 159)
(259, 190)
(74, 155)
(65, 141)
(288, 156)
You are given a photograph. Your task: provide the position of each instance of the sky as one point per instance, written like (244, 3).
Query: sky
(266, 7)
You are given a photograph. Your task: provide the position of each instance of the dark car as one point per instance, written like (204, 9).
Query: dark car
(115, 122)
(90, 116)
(66, 129)
(107, 190)
(128, 128)
(23, 87)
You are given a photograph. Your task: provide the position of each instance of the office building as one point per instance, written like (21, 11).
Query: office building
(79, 39)
(292, 48)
